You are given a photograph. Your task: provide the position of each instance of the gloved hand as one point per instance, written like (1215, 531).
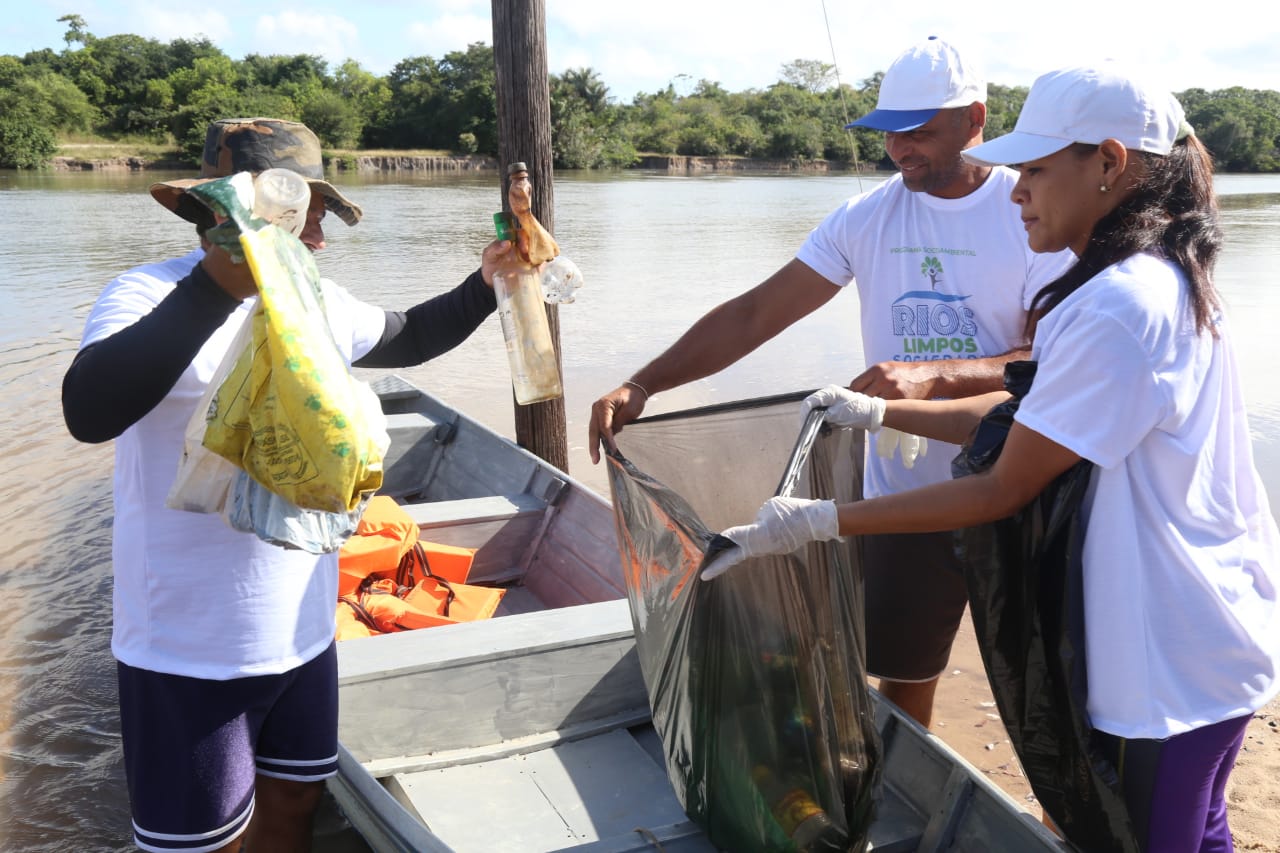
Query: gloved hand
(782, 525)
(911, 446)
(846, 408)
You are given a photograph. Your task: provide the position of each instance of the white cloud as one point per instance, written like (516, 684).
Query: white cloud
(288, 33)
(165, 22)
(447, 33)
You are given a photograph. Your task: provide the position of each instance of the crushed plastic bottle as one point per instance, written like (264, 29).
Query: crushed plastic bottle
(560, 279)
(281, 197)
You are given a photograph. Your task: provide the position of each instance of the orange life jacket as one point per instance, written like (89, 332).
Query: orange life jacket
(385, 538)
(390, 580)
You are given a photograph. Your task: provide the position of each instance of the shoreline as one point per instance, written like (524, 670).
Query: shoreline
(675, 164)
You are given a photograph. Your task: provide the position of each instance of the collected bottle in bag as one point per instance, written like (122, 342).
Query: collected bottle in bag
(801, 819)
(281, 197)
(517, 284)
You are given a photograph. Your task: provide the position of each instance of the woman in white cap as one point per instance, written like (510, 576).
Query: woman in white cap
(1136, 373)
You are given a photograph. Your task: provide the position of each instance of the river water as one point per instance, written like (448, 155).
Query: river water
(656, 252)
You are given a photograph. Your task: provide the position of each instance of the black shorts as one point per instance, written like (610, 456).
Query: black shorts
(193, 746)
(915, 594)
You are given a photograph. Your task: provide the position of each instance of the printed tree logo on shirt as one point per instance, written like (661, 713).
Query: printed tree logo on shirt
(934, 325)
(931, 267)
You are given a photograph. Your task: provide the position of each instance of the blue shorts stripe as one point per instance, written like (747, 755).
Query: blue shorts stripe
(201, 842)
(301, 770)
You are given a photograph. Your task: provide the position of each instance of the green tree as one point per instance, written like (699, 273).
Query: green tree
(468, 99)
(45, 98)
(808, 74)
(706, 131)
(211, 89)
(288, 74)
(586, 85)
(584, 124)
(77, 30)
(368, 94)
(652, 123)
(1240, 127)
(125, 64)
(414, 84)
(29, 112)
(1003, 105)
(794, 121)
(335, 119)
(433, 103)
(25, 143)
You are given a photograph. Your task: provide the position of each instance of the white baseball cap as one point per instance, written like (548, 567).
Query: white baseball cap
(1087, 104)
(927, 77)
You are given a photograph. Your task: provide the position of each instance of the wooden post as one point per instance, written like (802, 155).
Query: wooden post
(524, 134)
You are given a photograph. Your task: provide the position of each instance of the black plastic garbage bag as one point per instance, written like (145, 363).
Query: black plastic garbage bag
(1024, 578)
(756, 680)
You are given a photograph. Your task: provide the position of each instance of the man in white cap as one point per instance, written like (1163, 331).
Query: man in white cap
(944, 278)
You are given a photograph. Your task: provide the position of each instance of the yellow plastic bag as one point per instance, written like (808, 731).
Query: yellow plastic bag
(290, 413)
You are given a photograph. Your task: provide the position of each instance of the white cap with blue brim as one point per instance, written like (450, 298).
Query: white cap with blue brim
(924, 79)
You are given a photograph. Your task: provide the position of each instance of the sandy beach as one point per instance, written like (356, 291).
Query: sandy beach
(965, 718)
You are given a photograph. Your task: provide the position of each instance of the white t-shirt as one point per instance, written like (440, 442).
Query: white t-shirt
(1181, 553)
(937, 278)
(193, 596)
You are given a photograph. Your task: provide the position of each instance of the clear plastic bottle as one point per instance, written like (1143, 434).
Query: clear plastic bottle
(517, 284)
(281, 197)
(560, 278)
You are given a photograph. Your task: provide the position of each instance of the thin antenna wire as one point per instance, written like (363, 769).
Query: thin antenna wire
(853, 140)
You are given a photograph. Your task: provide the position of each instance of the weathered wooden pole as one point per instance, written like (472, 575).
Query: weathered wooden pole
(524, 134)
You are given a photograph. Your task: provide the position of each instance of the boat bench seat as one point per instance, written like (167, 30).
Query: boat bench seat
(474, 510)
(499, 527)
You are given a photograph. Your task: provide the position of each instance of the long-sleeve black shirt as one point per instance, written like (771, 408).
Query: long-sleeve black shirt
(114, 382)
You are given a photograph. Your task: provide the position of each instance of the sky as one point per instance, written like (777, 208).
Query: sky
(743, 44)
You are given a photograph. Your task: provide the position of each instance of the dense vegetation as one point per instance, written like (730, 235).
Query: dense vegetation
(126, 87)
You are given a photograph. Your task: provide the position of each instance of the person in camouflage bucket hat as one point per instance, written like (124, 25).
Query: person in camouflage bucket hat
(226, 669)
(254, 145)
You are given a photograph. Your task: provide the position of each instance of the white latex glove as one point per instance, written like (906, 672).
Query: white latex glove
(782, 525)
(846, 408)
(911, 446)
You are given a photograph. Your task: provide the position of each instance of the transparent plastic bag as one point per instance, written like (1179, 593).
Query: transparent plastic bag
(757, 686)
(252, 508)
(204, 477)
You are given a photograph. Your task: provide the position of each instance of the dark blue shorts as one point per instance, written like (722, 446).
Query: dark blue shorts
(193, 746)
(916, 596)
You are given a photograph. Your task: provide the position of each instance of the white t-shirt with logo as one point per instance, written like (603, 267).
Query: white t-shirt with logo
(937, 278)
(192, 596)
(1181, 553)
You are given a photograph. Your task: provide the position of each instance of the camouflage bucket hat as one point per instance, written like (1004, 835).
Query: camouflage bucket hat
(234, 145)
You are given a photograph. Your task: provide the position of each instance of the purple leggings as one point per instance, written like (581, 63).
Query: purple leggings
(1175, 788)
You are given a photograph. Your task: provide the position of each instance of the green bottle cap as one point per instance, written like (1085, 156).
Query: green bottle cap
(502, 226)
